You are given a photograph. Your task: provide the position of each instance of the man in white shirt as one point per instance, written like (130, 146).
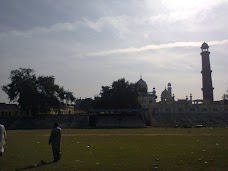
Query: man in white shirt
(2, 138)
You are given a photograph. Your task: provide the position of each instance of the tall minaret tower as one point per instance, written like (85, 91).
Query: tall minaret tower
(206, 74)
(169, 90)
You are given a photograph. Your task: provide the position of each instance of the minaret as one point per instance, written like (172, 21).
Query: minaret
(206, 74)
(170, 90)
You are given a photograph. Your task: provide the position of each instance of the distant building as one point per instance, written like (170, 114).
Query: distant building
(63, 110)
(168, 104)
(166, 95)
(206, 74)
(13, 110)
(142, 86)
(8, 110)
(145, 98)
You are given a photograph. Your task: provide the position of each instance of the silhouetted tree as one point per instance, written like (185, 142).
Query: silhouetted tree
(84, 104)
(225, 96)
(35, 94)
(121, 94)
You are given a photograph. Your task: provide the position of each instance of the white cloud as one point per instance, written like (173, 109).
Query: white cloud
(154, 47)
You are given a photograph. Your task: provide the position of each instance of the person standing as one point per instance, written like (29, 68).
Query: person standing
(55, 140)
(2, 138)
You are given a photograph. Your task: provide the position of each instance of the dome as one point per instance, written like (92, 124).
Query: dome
(142, 86)
(204, 46)
(142, 83)
(165, 93)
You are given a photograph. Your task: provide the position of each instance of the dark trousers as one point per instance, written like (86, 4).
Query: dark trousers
(56, 152)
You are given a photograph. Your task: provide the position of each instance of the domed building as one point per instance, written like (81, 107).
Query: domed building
(166, 95)
(145, 98)
(142, 86)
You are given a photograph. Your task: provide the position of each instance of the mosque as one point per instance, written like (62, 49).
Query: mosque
(168, 104)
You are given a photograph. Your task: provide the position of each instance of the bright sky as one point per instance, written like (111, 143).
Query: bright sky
(88, 44)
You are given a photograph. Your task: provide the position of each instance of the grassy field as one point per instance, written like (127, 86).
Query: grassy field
(119, 149)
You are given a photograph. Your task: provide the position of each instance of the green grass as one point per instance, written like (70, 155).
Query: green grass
(120, 149)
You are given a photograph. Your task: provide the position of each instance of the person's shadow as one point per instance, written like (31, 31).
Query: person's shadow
(32, 166)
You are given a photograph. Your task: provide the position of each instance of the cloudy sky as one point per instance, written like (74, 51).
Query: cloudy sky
(89, 43)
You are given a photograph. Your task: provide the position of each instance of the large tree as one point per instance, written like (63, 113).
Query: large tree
(225, 96)
(35, 94)
(120, 95)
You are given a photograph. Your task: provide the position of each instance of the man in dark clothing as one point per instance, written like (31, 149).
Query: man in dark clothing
(55, 139)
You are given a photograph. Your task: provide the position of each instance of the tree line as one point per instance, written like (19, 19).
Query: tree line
(40, 93)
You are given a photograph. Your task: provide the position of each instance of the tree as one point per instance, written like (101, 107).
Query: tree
(84, 104)
(120, 95)
(225, 96)
(47, 93)
(65, 96)
(35, 94)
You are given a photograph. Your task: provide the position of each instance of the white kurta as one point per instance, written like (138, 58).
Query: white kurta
(2, 137)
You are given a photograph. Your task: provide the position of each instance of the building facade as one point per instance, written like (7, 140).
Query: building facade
(13, 110)
(145, 98)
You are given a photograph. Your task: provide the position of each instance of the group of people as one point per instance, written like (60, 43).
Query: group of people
(54, 140)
